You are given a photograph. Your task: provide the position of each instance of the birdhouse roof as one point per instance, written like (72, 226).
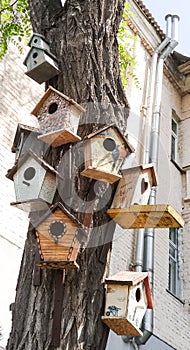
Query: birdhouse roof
(40, 36)
(23, 128)
(132, 278)
(113, 126)
(40, 49)
(47, 94)
(144, 167)
(23, 159)
(52, 209)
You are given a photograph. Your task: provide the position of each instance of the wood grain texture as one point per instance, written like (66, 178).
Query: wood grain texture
(148, 216)
(100, 175)
(58, 138)
(121, 326)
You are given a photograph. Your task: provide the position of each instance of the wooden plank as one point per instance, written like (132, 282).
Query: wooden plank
(93, 173)
(30, 206)
(59, 137)
(147, 216)
(58, 265)
(121, 326)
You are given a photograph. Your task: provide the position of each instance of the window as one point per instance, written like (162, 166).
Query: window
(174, 266)
(174, 137)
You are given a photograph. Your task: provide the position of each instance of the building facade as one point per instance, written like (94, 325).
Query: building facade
(168, 325)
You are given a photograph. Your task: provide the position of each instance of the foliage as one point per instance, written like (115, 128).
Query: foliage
(127, 43)
(14, 24)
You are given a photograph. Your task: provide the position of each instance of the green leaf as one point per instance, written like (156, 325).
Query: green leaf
(126, 43)
(14, 24)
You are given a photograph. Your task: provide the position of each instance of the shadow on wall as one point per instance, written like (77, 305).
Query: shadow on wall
(116, 342)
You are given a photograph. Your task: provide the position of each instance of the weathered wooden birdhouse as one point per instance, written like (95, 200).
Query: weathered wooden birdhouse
(58, 235)
(41, 64)
(128, 296)
(26, 138)
(135, 186)
(39, 41)
(129, 207)
(105, 151)
(34, 182)
(58, 117)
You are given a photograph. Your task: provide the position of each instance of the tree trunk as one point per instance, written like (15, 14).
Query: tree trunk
(83, 37)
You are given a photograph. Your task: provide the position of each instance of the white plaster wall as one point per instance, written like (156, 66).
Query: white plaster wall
(171, 316)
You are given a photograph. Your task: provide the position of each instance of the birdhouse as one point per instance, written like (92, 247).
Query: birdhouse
(26, 138)
(41, 64)
(129, 207)
(104, 152)
(34, 182)
(135, 186)
(58, 239)
(128, 296)
(39, 41)
(58, 116)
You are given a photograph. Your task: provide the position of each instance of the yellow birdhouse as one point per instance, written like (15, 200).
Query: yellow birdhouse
(105, 151)
(58, 117)
(58, 234)
(34, 181)
(128, 296)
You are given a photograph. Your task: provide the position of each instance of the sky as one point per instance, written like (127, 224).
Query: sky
(159, 9)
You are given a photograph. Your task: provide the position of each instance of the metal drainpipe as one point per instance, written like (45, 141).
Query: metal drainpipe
(140, 232)
(172, 31)
(145, 238)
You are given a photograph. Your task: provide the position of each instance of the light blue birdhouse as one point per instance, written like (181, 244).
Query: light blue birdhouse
(34, 181)
(39, 41)
(41, 64)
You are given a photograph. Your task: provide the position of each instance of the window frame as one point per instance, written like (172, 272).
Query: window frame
(174, 282)
(174, 138)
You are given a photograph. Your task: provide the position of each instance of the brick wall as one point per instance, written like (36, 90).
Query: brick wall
(18, 96)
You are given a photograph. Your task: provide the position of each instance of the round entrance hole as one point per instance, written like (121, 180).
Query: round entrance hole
(138, 294)
(29, 173)
(52, 108)
(35, 55)
(35, 41)
(109, 144)
(57, 229)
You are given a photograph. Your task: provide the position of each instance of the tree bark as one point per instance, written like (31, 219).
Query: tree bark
(83, 37)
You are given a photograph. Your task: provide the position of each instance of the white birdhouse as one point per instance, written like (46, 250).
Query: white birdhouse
(41, 64)
(58, 234)
(26, 138)
(39, 41)
(58, 117)
(135, 186)
(104, 152)
(128, 296)
(34, 182)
